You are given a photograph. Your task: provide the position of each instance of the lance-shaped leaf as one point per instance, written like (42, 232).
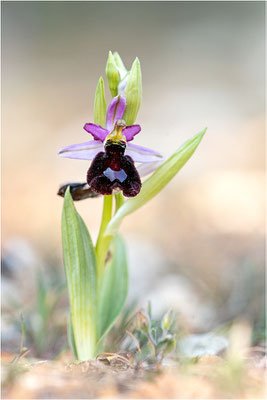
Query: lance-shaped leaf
(156, 182)
(133, 93)
(80, 267)
(113, 287)
(100, 107)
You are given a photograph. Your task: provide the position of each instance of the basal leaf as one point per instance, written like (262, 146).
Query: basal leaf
(113, 287)
(156, 182)
(71, 338)
(81, 273)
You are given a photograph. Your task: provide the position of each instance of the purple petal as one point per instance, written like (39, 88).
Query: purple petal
(131, 131)
(143, 154)
(82, 151)
(145, 169)
(115, 111)
(96, 131)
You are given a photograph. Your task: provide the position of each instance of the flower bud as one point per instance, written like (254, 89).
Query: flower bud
(133, 93)
(100, 108)
(113, 75)
(143, 322)
(167, 320)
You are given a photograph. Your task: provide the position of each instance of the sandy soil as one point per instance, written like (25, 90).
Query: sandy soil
(209, 378)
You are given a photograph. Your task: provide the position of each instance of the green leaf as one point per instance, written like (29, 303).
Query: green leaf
(71, 338)
(156, 182)
(113, 287)
(100, 107)
(81, 273)
(133, 93)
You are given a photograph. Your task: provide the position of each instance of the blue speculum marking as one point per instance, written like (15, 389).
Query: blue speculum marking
(113, 175)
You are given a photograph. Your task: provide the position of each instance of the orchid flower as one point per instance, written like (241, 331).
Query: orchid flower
(112, 155)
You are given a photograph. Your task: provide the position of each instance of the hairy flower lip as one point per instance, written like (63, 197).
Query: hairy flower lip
(113, 170)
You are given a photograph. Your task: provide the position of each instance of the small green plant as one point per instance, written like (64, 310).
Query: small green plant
(142, 339)
(154, 338)
(97, 274)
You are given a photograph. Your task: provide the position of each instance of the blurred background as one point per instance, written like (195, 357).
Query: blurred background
(198, 247)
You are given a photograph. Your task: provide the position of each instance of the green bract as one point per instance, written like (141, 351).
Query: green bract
(119, 62)
(133, 93)
(113, 75)
(100, 107)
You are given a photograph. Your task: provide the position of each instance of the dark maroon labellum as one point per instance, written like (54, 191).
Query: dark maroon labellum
(113, 170)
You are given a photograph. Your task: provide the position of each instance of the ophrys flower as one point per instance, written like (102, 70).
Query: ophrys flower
(113, 156)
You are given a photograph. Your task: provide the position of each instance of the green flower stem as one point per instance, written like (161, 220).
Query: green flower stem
(119, 199)
(102, 243)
